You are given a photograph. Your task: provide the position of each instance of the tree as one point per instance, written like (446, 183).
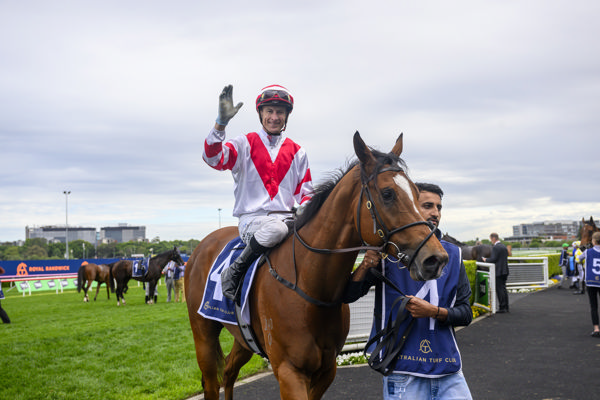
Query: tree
(56, 250)
(12, 253)
(35, 252)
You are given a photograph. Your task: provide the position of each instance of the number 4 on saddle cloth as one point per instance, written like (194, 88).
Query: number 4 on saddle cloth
(216, 306)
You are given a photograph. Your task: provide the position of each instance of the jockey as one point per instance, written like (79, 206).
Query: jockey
(579, 280)
(270, 173)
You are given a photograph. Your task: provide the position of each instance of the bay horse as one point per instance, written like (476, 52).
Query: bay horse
(476, 252)
(468, 252)
(88, 273)
(122, 272)
(587, 230)
(302, 326)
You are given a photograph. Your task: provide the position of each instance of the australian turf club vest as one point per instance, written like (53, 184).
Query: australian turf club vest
(592, 267)
(430, 349)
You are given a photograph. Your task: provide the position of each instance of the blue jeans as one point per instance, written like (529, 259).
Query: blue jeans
(450, 387)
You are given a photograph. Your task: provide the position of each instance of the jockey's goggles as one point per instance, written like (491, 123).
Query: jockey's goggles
(274, 96)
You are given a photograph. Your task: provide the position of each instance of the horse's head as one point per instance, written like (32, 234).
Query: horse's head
(587, 230)
(388, 212)
(176, 256)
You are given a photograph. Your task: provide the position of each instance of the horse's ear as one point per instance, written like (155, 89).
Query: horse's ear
(362, 151)
(397, 150)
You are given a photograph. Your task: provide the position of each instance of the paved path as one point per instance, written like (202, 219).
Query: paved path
(541, 350)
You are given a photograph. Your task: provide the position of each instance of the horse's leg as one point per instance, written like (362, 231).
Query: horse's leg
(85, 291)
(97, 290)
(292, 383)
(236, 359)
(119, 292)
(209, 353)
(321, 383)
(152, 291)
(108, 290)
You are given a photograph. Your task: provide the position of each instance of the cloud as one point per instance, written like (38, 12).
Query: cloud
(497, 103)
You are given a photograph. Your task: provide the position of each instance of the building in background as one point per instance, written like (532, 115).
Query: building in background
(119, 234)
(57, 233)
(123, 233)
(546, 230)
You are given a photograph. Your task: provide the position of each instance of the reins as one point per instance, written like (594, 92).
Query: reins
(388, 346)
(379, 227)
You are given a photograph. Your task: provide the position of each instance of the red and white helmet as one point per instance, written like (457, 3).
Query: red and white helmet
(275, 95)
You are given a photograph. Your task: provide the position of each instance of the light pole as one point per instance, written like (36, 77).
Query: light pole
(219, 217)
(67, 193)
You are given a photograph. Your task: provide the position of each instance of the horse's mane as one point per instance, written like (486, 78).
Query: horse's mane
(452, 240)
(322, 191)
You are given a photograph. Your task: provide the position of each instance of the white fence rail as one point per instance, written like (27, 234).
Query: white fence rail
(524, 273)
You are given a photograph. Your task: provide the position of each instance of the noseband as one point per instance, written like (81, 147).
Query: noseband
(379, 226)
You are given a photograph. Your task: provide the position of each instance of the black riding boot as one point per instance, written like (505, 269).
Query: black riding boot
(234, 274)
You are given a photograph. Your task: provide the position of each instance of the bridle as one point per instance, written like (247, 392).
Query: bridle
(379, 227)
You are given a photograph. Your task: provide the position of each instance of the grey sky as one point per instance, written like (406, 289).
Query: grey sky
(498, 102)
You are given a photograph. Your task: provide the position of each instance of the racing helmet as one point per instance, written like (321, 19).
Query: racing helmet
(275, 95)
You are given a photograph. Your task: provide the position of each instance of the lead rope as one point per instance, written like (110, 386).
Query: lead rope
(390, 340)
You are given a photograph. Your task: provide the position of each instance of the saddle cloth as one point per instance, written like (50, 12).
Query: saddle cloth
(140, 267)
(216, 306)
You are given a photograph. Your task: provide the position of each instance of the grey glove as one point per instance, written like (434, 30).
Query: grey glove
(226, 108)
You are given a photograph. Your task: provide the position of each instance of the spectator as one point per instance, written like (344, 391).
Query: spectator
(500, 258)
(592, 279)
(564, 264)
(3, 313)
(169, 271)
(178, 281)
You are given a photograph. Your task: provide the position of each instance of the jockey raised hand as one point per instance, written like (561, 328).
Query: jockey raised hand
(270, 173)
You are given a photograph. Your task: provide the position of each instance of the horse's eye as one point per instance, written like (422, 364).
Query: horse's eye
(388, 195)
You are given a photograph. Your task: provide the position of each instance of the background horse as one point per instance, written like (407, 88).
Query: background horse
(302, 325)
(121, 272)
(468, 252)
(474, 252)
(587, 230)
(89, 273)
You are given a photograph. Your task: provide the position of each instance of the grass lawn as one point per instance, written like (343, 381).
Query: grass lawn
(58, 347)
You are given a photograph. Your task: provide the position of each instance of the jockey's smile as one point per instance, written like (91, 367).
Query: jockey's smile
(273, 118)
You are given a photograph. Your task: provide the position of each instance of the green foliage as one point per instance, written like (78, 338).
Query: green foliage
(58, 347)
(471, 269)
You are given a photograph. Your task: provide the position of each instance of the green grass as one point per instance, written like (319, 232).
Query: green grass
(58, 347)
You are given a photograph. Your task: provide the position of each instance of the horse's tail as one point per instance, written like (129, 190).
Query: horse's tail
(80, 278)
(509, 248)
(111, 280)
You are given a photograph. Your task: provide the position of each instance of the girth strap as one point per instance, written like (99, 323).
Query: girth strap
(248, 333)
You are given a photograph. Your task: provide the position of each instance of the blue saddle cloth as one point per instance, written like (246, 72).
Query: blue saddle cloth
(216, 306)
(140, 268)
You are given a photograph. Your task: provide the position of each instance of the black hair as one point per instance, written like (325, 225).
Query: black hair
(430, 187)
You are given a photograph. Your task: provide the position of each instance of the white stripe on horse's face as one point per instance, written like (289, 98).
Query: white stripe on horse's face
(403, 184)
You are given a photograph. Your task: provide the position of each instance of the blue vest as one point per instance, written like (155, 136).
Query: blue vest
(592, 267)
(430, 349)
